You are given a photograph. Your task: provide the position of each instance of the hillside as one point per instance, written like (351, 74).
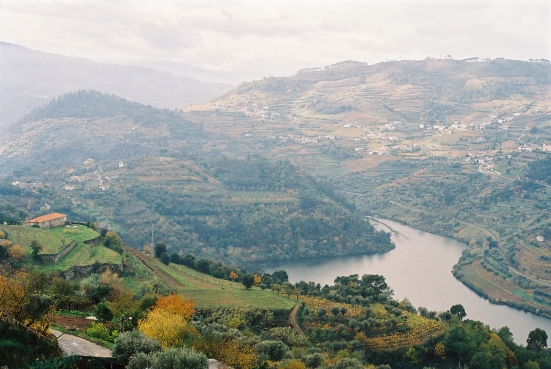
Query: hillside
(90, 124)
(31, 78)
(454, 147)
(443, 145)
(228, 209)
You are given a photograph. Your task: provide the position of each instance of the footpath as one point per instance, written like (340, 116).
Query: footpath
(73, 345)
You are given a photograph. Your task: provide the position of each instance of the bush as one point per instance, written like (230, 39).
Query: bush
(131, 343)
(99, 331)
(103, 312)
(313, 360)
(173, 358)
(348, 363)
(274, 350)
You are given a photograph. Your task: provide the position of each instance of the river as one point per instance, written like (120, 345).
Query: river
(419, 268)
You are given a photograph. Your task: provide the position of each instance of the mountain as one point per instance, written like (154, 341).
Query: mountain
(31, 78)
(90, 124)
(210, 76)
(454, 147)
(152, 168)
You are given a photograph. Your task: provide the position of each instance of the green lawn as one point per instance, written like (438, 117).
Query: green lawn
(23, 235)
(75, 232)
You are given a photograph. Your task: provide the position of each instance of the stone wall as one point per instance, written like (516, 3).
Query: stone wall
(54, 258)
(86, 270)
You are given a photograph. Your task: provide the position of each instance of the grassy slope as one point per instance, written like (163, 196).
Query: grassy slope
(203, 289)
(84, 254)
(23, 236)
(79, 233)
(53, 240)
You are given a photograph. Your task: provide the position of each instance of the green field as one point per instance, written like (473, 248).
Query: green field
(203, 289)
(76, 232)
(51, 242)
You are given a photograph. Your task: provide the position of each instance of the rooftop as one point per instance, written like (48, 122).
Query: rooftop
(45, 218)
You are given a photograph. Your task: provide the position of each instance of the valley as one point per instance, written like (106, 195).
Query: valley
(286, 169)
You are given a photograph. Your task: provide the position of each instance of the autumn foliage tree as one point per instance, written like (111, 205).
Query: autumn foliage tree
(168, 321)
(23, 301)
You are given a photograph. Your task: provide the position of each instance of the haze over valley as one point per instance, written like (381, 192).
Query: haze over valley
(171, 172)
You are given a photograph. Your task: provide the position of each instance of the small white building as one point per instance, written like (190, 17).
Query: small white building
(540, 238)
(121, 164)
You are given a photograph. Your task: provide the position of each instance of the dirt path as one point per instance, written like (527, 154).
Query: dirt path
(166, 278)
(293, 320)
(73, 345)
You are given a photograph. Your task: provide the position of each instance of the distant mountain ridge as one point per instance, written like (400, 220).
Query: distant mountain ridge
(209, 76)
(31, 78)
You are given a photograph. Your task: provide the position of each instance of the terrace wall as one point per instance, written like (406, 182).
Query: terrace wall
(55, 257)
(86, 270)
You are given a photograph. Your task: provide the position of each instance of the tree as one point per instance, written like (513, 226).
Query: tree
(537, 339)
(130, 343)
(247, 281)
(280, 276)
(168, 321)
(103, 312)
(459, 311)
(257, 280)
(159, 249)
(23, 301)
(335, 310)
(233, 275)
(173, 358)
(321, 312)
(349, 363)
(165, 259)
(113, 241)
(314, 360)
(176, 304)
(166, 327)
(273, 350)
(36, 248)
(376, 282)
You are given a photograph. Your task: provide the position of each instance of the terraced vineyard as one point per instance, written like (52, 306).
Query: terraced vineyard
(411, 330)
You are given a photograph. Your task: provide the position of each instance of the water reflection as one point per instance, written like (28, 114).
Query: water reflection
(419, 269)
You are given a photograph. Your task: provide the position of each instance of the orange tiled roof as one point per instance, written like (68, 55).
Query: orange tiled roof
(45, 218)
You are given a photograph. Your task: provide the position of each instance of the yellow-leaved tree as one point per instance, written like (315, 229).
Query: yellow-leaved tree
(257, 280)
(168, 321)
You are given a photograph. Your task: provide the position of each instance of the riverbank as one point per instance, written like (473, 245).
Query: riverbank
(492, 282)
(420, 269)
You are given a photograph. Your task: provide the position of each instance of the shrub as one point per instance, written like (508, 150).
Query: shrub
(274, 350)
(173, 358)
(99, 331)
(131, 343)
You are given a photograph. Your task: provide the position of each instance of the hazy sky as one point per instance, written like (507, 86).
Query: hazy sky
(279, 37)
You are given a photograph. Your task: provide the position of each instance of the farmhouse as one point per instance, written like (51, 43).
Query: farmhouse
(49, 221)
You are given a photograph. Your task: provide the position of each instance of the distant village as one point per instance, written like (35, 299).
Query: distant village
(75, 180)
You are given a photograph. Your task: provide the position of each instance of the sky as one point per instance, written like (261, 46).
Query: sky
(279, 37)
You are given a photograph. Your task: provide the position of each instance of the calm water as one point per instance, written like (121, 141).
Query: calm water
(419, 268)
